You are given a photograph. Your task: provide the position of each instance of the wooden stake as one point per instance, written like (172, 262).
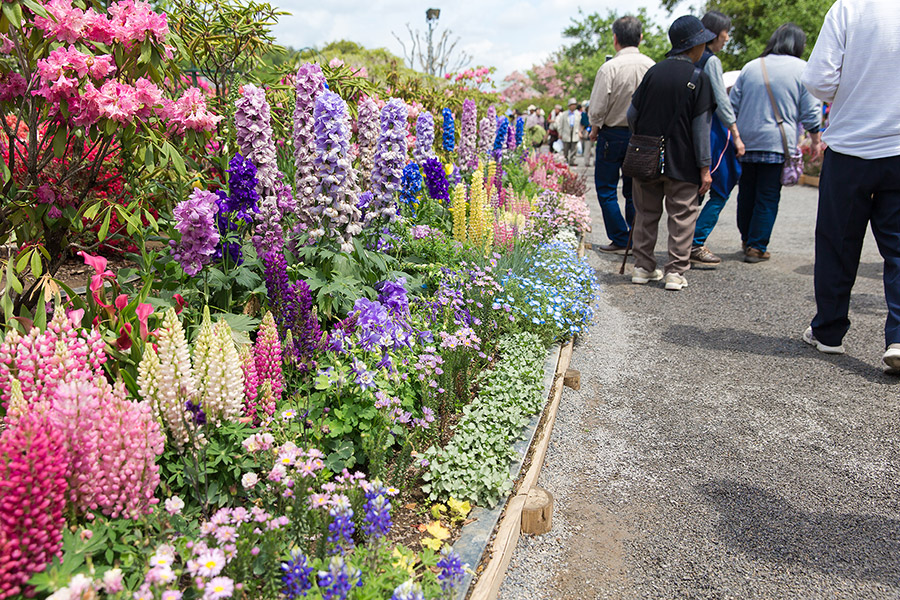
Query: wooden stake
(537, 514)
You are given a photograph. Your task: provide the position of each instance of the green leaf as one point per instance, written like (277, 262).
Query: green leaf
(59, 143)
(13, 13)
(37, 267)
(104, 228)
(240, 322)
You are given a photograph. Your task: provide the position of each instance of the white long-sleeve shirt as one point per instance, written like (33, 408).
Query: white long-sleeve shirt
(855, 65)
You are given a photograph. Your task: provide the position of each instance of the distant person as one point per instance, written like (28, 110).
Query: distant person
(533, 119)
(535, 134)
(614, 85)
(568, 126)
(762, 163)
(586, 144)
(854, 66)
(551, 126)
(726, 144)
(675, 100)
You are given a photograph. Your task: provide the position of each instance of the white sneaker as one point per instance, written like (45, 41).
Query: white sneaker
(810, 339)
(641, 276)
(890, 362)
(675, 282)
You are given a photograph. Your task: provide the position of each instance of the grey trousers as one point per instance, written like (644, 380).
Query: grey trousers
(570, 150)
(682, 207)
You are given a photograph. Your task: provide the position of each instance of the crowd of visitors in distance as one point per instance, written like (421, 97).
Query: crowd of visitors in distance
(682, 138)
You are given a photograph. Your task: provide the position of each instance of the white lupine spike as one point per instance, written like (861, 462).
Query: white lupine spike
(203, 353)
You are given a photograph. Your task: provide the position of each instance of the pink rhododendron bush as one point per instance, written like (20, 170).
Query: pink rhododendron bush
(329, 310)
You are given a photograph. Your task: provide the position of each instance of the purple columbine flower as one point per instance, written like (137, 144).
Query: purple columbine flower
(309, 84)
(424, 137)
(390, 158)
(468, 131)
(336, 193)
(195, 219)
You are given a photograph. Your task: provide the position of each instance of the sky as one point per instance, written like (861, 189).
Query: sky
(507, 34)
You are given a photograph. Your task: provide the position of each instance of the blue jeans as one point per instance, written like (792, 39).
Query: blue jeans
(611, 146)
(709, 216)
(854, 192)
(757, 203)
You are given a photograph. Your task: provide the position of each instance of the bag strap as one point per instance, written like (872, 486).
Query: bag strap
(691, 85)
(778, 118)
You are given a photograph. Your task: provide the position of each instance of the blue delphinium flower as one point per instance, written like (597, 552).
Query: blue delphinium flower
(339, 579)
(520, 131)
(410, 185)
(449, 130)
(451, 568)
(500, 138)
(296, 575)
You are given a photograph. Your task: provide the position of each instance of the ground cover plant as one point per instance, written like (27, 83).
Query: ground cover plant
(331, 325)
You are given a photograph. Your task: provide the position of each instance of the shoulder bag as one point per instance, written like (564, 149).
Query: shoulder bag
(793, 158)
(645, 157)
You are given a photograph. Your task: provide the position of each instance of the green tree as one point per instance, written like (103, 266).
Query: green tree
(754, 21)
(592, 41)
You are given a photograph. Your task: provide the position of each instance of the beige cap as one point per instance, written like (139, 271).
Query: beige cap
(532, 107)
(573, 101)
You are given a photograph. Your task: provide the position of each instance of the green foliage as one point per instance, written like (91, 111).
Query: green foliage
(474, 465)
(754, 22)
(592, 41)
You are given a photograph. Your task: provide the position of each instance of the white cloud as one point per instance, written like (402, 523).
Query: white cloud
(509, 35)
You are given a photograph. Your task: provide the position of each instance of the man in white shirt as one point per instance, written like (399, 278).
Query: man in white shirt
(568, 125)
(854, 66)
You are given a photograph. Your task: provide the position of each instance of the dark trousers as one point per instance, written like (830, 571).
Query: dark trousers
(757, 203)
(611, 147)
(854, 192)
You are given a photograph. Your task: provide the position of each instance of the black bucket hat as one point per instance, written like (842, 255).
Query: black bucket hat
(686, 32)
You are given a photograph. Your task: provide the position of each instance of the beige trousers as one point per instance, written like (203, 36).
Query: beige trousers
(682, 207)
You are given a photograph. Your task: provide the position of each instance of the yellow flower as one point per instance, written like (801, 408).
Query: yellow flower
(437, 530)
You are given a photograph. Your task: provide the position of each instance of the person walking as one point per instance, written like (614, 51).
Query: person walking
(551, 126)
(725, 143)
(854, 65)
(586, 144)
(568, 126)
(773, 77)
(614, 85)
(675, 100)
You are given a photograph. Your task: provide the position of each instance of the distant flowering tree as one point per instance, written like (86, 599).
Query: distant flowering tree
(80, 87)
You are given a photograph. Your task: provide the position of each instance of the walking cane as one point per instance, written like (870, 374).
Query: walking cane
(627, 248)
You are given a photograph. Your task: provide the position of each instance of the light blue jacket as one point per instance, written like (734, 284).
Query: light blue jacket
(755, 117)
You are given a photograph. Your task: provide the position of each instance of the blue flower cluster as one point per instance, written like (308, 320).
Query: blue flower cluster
(296, 575)
(449, 130)
(502, 129)
(339, 579)
(451, 568)
(341, 529)
(520, 131)
(436, 179)
(378, 512)
(236, 208)
(410, 185)
(557, 290)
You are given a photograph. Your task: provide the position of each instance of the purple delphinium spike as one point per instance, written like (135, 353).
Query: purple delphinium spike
(487, 128)
(436, 179)
(309, 84)
(424, 137)
(336, 192)
(253, 128)
(390, 158)
(367, 127)
(468, 130)
(510, 136)
(195, 219)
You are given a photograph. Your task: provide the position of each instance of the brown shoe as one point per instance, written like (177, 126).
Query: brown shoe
(754, 255)
(612, 249)
(701, 256)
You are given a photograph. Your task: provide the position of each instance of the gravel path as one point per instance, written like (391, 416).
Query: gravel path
(710, 453)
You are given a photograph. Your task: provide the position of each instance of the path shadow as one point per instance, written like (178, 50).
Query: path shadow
(746, 342)
(873, 270)
(769, 528)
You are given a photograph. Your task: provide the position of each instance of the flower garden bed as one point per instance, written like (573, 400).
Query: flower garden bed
(323, 337)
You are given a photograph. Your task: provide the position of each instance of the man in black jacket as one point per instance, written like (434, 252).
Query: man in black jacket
(674, 100)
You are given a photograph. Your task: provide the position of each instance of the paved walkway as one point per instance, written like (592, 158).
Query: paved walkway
(710, 453)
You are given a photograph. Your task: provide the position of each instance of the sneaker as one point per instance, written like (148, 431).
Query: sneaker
(641, 276)
(612, 248)
(890, 362)
(810, 339)
(755, 255)
(701, 255)
(675, 282)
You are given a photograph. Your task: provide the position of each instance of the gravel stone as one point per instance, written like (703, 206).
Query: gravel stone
(710, 453)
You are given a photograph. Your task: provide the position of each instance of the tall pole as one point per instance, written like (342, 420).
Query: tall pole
(431, 17)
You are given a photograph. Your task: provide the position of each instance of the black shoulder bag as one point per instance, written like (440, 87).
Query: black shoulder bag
(645, 157)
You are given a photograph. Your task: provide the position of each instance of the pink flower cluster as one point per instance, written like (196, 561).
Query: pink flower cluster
(112, 443)
(33, 464)
(128, 23)
(264, 368)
